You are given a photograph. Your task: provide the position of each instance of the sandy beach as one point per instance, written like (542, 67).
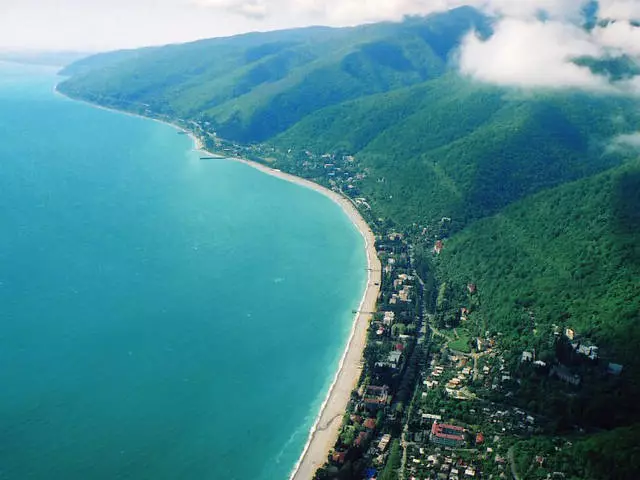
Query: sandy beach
(324, 432)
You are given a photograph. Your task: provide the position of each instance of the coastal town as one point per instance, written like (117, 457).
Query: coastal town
(439, 396)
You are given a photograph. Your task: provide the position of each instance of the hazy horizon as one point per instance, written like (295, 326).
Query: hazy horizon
(96, 25)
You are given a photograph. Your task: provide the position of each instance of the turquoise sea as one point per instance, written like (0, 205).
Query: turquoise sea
(161, 317)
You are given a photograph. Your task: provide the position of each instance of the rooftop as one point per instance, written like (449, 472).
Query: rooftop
(444, 430)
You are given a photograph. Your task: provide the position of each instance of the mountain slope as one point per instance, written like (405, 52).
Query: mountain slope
(252, 87)
(571, 258)
(452, 147)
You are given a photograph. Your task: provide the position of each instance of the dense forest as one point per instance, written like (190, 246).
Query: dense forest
(542, 203)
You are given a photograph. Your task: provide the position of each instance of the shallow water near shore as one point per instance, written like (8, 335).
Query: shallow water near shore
(160, 316)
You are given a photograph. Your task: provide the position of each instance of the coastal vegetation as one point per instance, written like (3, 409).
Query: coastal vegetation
(507, 223)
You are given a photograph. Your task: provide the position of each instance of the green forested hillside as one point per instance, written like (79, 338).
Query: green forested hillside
(569, 258)
(252, 87)
(477, 148)
(612, 455)
(571, 254)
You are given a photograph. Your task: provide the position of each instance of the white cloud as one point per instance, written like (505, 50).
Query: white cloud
(620, 9)
(531, 53)
(528, 9)
(335, 12)
(528, 51)
(620, 38)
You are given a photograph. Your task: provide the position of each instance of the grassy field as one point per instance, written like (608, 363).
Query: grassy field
(461, 344)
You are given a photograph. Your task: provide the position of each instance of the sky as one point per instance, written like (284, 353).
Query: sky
(534, 44)
(91, 25)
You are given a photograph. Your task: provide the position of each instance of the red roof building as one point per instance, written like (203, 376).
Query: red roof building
(447, 435)
(437, 248)
(370, 423)
(361, 438)
(479, 438)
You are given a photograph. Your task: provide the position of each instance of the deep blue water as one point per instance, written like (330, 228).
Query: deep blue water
(161, 317)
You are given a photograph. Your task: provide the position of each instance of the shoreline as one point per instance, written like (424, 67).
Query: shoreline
(326, 427)
(324, 432)
(199, 146)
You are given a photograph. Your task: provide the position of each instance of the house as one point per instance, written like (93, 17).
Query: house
(472, 288)
(590, 351)
(431, 416)
(392, 361)
(570, 333)
(370, 423)
(479, 438)
(437, 248)
(376, 397)
(526, 357)
(447, 435)
(403, 295)
(361, 438)
(389, 318)
(614, 369)
(384, 441)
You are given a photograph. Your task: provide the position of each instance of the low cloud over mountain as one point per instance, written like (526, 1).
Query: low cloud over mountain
(536, 42)
(542, 49)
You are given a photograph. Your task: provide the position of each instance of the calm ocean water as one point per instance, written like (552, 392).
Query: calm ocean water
(161, 317)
